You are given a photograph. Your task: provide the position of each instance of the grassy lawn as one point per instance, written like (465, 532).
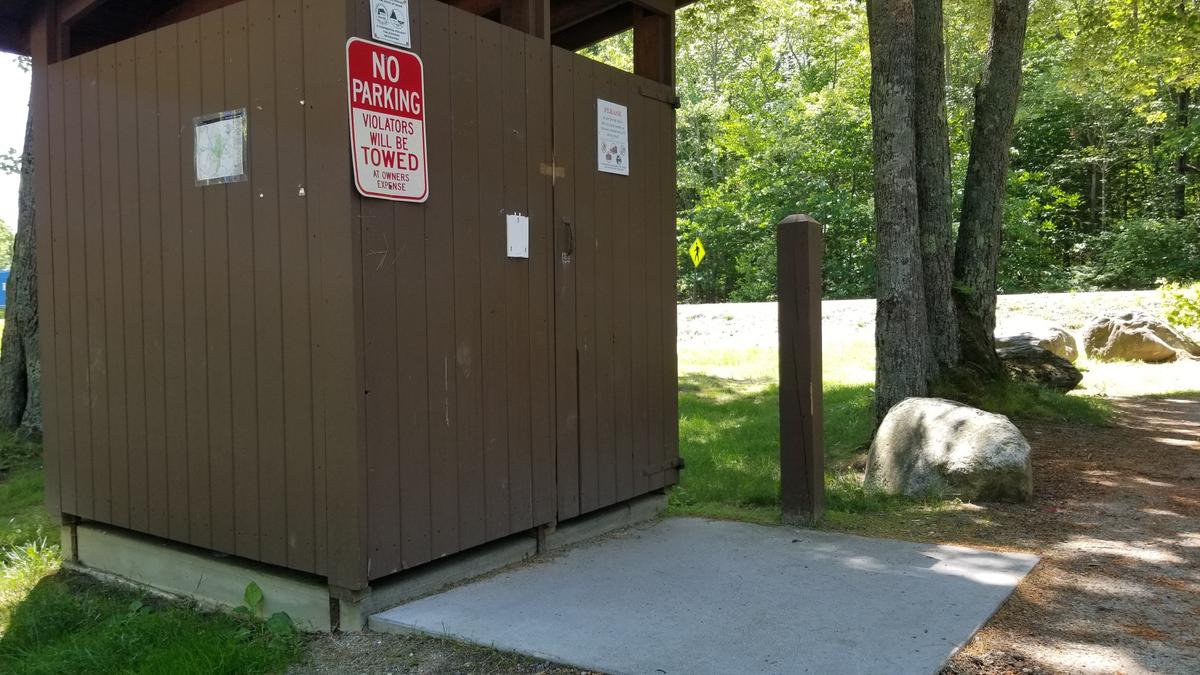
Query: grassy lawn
(729, 429)
(54, 621)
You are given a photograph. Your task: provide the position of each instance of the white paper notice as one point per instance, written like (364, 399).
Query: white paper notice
(518, 235)
(389, 22)
(221, 148)
(612, 130)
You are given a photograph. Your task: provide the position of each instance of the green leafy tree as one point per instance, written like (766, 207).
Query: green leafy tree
(7, 238)
(774, 119)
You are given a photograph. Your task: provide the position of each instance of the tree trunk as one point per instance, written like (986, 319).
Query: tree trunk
(979, 232)
(901, 332)
(20, 369)
(934, 199)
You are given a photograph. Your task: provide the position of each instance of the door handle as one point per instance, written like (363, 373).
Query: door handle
(570, 230)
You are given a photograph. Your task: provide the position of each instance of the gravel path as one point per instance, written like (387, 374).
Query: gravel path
(1116, 519)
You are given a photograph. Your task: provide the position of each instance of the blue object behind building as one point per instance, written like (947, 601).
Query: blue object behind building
(3, 289)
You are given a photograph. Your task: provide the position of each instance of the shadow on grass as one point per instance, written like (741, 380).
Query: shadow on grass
(1025, 401)
(68, 623)
(54, 621)
(729, 439)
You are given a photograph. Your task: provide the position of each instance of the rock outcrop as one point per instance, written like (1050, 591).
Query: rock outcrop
(934, 446)
(1135, 336)
(1028, 362)
(1044, 334)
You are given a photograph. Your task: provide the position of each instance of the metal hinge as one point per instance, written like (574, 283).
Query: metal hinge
(676, 463)
(670, 99)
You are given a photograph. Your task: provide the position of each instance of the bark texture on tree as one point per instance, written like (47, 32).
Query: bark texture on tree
(901, 330)
(20, 369)
(979, 232)
(934, 197)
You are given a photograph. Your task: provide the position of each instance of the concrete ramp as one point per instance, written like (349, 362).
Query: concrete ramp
(685, 595)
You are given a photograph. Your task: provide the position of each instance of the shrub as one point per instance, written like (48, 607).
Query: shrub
(1181, 304)
(1136, 253)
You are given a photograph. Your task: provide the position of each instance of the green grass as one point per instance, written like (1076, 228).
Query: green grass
(1024, 401)
(729, 437)
(23, 518)
(70, 624)
(54, 621)
(729, 433)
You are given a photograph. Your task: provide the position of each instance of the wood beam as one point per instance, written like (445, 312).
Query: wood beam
(656, 6)
(528, 16)
(567, 15)
(47, 39)
(654, 46)
(72, 10)
(476, 7)
(588, 33)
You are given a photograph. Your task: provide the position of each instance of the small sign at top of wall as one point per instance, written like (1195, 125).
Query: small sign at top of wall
(387, 121)
(389, 22)
(612, 131)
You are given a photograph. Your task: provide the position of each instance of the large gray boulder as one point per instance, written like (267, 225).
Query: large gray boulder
(1044, 334)
(1135, 336)
(934, 446)
(1030, 363)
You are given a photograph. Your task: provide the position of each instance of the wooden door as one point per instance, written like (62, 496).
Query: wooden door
(457, 335)
(615, 370)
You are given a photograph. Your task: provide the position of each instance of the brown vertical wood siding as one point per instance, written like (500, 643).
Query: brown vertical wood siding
(182, 324)
(282, 370)
(477, 424)
(457, 344)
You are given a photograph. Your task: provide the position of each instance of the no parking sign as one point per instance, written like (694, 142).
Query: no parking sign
(387, 121)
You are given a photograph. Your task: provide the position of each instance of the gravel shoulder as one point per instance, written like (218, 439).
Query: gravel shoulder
(1116, 519)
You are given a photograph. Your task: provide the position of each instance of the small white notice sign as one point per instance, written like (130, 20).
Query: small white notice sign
(518, 235)
(612, 131)
(389, 22)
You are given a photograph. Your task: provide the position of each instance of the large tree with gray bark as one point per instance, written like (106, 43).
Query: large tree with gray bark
(936, 297)
(20, 370)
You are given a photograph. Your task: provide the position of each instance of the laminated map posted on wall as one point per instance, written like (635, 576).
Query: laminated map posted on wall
(387, 121)
(220, 147)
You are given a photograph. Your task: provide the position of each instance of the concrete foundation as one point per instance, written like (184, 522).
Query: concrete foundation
(219, 582)
(686, 595)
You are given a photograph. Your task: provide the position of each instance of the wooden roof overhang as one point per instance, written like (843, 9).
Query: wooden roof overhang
(83, 25)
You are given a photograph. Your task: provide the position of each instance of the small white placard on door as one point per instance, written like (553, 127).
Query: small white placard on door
(612, 132)
(518, 236)
(389, 22)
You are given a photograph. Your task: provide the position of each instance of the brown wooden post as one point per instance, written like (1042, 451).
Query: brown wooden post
(654, 45)
(801, 445)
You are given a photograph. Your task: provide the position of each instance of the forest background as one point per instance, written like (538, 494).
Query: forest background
(1103, 193)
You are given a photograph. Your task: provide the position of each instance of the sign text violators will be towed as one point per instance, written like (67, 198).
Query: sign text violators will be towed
(387, 121)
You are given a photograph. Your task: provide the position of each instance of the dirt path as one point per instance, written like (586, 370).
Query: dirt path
(1116, 517)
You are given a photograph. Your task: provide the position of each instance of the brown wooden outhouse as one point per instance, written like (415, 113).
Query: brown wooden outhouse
(243, 353)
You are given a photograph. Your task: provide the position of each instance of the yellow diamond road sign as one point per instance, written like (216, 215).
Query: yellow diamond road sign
(696, 252)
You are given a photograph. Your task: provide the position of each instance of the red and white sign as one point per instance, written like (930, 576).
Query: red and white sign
(387, 121)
